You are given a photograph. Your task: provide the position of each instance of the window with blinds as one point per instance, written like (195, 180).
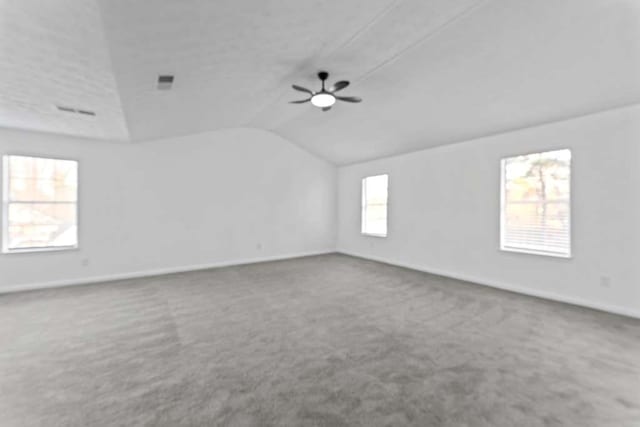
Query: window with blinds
(39, 204)
(536, 203)
(374, 205)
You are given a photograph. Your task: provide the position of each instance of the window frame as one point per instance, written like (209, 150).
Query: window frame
(510, 249)
(363, 206)
(4, 231)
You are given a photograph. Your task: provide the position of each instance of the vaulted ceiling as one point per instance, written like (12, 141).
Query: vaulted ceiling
(430, 72)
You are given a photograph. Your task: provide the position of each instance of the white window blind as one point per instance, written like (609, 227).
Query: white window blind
(536, 203)
(39, 204)
(374, 205)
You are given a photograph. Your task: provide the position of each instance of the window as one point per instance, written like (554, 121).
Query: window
(374, 205)
(536, 203)
(39, 204)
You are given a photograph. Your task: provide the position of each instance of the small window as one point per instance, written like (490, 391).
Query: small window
(536, 203)
(374, 205)
(39, 204)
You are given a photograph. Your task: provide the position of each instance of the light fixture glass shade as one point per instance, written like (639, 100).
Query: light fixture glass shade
(322, 100)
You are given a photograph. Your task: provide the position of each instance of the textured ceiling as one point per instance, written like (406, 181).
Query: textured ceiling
(430, 71)
(506, 65)
(53, 52)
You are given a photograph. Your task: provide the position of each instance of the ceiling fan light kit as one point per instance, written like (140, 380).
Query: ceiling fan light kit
(325, 98)
(321, 100)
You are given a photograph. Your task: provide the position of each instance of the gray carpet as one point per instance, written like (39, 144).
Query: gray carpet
(318, 341)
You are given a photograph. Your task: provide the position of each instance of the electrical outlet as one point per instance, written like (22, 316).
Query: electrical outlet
(605, 281)
(85, 262)
(259, 246)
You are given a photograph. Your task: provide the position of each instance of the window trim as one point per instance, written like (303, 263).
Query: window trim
(509, 249)
(363, 206)
(4, 210)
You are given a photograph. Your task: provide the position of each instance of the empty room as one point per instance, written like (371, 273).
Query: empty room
(320, 213)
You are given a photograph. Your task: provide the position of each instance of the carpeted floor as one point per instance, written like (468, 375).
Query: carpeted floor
(319, 341)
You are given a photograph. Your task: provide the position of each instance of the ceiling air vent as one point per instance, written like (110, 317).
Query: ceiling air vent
(165, 81)
(75, 110)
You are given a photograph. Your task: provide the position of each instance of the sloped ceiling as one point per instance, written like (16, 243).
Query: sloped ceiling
(53, 52)
(430, 72)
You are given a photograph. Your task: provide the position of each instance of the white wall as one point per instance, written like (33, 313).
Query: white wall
(444, 212)
(214, 198)
(219, 197)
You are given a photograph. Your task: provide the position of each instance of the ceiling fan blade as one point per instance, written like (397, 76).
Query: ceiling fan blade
(349, 98)
(326, 108)
(302, 89)
(339, 86)
(302, 101)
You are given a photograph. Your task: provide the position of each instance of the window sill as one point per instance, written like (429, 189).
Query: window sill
(39, 250)
(374, 235)
(534, 252)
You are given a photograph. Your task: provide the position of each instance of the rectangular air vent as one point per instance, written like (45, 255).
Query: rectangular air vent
(165, 81)
(67, 109)
(75, 110)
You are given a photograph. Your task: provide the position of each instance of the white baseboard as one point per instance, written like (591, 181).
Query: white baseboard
(624, 311)
(153, 272)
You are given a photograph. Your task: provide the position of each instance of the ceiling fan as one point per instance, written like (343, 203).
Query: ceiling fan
(325, 98)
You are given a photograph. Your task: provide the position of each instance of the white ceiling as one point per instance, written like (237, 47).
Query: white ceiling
(430, 72)
(53, 52)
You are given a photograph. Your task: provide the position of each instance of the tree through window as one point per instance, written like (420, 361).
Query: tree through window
(536, 203)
